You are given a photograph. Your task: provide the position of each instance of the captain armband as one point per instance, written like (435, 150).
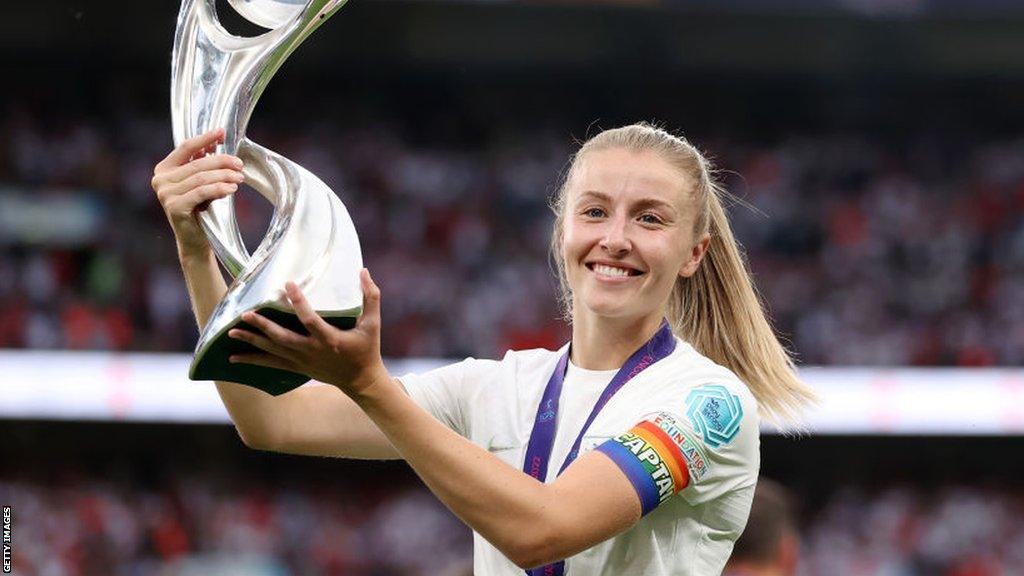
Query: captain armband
(659, 456)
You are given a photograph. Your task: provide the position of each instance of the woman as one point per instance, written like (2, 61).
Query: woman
(632, 450)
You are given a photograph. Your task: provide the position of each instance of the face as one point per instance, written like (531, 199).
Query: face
(628, 233)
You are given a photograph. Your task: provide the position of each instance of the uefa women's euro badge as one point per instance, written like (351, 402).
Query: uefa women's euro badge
(216, 79)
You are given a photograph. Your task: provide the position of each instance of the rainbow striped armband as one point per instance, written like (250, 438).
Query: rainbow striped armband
(660, 458)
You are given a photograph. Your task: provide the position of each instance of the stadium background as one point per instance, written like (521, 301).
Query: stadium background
(880, 141)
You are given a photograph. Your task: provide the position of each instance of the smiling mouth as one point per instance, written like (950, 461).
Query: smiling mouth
(612, 271)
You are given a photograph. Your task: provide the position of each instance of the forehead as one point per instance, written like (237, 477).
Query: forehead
(625, 174)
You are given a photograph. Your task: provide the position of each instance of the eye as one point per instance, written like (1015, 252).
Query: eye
(649, 218)
(594, 212)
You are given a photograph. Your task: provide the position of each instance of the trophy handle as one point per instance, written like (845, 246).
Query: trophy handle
(209, 65)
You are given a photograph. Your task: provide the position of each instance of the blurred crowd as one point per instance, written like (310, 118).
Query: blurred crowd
(202, 525)
(955, 531)
(868, 252)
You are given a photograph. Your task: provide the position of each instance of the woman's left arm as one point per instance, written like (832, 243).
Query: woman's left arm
(530, 522)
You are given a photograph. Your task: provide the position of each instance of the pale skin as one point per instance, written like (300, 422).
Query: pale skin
(625, 210)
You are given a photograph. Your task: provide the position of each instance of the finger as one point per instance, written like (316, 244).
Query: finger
(189, 148)
(208, 163)
(187, 203)
(164, 177)
(370, 317)
(198, 179)
(212, 146)
(184, 207)
(167, 191)
(316, 325)
(275, 332)
(265, 360)
(258, 340)
(208, 149)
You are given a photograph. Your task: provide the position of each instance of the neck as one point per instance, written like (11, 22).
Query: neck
(606, 343)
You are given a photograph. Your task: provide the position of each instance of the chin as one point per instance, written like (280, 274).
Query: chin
(615, 306)
(609, 308)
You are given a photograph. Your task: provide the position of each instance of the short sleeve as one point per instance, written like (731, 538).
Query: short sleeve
(443, 391)
(701, 449)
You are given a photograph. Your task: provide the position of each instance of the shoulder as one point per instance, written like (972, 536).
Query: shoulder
(711, 417)
(472, 369)
(714, 426)
(531, 356)
(529, 363)
(510, 358)
(710, 389)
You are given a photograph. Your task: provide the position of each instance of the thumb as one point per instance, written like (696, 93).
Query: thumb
(371, 300)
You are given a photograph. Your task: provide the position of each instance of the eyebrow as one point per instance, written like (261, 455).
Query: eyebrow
(647, 202)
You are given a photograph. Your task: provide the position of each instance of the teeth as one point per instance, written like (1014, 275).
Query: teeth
(609, 270)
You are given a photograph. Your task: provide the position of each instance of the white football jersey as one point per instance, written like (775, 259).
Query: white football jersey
(685, 431)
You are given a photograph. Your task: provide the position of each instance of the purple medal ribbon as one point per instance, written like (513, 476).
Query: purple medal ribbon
(542, 437)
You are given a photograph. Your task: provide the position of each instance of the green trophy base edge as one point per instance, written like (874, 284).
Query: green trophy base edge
(214, 365)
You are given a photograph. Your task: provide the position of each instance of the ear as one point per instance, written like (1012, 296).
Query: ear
(700, 248)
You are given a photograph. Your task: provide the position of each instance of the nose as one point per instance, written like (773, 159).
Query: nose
(615, 240)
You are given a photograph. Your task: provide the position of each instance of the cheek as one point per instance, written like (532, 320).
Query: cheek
(570, 241)
(565, 252)
(672, 256)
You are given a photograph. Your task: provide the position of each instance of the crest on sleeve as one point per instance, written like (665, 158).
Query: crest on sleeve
(715, 413)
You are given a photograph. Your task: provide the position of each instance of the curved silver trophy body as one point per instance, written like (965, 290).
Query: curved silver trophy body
(216, 80)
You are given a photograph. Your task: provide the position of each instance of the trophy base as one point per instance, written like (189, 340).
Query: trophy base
(214, 365)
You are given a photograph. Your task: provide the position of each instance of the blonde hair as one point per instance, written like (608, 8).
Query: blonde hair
(717, 309)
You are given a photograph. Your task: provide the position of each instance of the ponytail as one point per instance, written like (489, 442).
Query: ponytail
(716, 310)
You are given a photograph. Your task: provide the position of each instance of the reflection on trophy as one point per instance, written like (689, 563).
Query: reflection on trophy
(216, 80)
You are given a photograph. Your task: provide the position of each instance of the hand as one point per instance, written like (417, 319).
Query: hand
(348, 359)
(188, 179)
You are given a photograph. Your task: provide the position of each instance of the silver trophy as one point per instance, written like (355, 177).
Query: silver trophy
(216, 79)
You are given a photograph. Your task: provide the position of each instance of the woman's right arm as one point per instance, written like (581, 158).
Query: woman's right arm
(313, 420)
